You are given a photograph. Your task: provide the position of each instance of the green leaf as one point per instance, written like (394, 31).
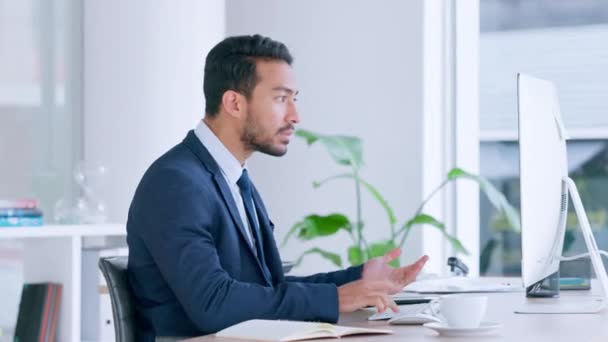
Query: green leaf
(381, 200)
(426, 219)
(457, 173)
(309, 136)
(297, 226)
(456, 244)
(499, 201)
(334, 258)
(389, 211)
(433, 222)
(355, 255)
(497, 198)
(314, 226)
(344, 150)
(377, 249)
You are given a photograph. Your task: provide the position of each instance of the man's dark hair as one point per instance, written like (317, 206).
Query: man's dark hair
(230, 65)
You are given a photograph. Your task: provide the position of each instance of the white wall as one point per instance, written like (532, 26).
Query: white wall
(143, 66)
(359, 68)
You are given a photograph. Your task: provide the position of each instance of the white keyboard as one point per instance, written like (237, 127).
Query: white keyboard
(404, 310)
(464, 285)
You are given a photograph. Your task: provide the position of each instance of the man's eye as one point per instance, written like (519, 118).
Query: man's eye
(282, 98)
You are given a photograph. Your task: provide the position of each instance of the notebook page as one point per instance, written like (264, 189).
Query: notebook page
(269, 330)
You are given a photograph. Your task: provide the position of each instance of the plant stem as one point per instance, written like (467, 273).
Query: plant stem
(364, 241)
(406, 229)
(405, 234)
(352, 236)
(361, 241)
(428, 198)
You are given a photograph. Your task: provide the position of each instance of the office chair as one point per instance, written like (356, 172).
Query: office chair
(114, 269)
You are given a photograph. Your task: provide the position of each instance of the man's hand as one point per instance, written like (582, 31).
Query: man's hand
(361, 293)
(378, 269)
(378, 281)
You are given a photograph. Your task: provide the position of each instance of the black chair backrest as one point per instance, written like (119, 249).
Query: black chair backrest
(114, 269)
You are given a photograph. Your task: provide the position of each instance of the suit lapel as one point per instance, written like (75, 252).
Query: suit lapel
(195, 145)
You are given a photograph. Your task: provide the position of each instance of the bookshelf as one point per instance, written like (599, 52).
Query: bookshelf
(54, 253)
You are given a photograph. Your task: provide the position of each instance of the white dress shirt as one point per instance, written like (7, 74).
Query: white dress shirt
(231, 170)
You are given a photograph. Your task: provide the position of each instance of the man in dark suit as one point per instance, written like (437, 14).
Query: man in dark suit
(202, 255)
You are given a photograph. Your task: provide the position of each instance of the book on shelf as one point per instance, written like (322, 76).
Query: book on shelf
(20, 221)
(19, 203)
(18, 213)
(38, 312)
(269, 330)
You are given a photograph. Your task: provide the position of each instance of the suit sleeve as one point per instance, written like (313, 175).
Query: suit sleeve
(175, 217)
(337, 278)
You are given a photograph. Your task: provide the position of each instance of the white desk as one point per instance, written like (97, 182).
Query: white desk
(516, 327)
(54, 254)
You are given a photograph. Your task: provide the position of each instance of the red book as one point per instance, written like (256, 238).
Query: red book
(27, 203)
(46, 313)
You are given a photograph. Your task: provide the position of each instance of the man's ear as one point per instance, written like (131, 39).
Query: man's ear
(234, 103)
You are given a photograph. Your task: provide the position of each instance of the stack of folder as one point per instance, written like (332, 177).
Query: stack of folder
(38, 312)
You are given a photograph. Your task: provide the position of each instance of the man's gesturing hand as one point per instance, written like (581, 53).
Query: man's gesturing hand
(362, 293)
(378, 269)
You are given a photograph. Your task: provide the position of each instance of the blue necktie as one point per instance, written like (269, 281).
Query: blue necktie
(244, 184)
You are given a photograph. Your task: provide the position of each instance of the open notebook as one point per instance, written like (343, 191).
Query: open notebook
(268, 330)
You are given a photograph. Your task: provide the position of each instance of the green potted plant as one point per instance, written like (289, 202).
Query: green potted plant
(348, 152)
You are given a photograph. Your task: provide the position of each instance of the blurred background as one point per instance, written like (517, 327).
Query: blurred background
(97, 90)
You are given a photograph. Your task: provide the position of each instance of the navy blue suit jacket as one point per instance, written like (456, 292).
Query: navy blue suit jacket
(191, 269)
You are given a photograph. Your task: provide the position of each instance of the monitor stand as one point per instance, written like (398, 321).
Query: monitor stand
(545, 288)
(594, 251)
(549, 287)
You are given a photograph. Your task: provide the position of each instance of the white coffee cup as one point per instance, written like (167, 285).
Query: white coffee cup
(460, 310)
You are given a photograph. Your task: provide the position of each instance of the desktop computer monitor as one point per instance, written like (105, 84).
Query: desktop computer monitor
(544, 190)
(543, 165)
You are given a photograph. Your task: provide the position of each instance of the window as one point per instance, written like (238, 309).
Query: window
(39, 99)
(562, 41)
(38, 117)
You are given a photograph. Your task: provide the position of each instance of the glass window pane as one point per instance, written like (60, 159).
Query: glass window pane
(36, 132)
(558, 41)
(588, 166)
(36, 121)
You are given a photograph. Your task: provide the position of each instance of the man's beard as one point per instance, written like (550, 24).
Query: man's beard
(254, 139)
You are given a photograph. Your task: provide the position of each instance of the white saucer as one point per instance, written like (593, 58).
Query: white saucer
(444, 329)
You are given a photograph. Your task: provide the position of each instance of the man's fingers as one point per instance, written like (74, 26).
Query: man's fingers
(410, 272)
(392, 255)
(380, 307)
(380, 285)
(420, 262)
(395, 288)
(391, 304)
(406, 274)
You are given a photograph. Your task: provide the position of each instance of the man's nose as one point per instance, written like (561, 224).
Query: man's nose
(293, 114)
